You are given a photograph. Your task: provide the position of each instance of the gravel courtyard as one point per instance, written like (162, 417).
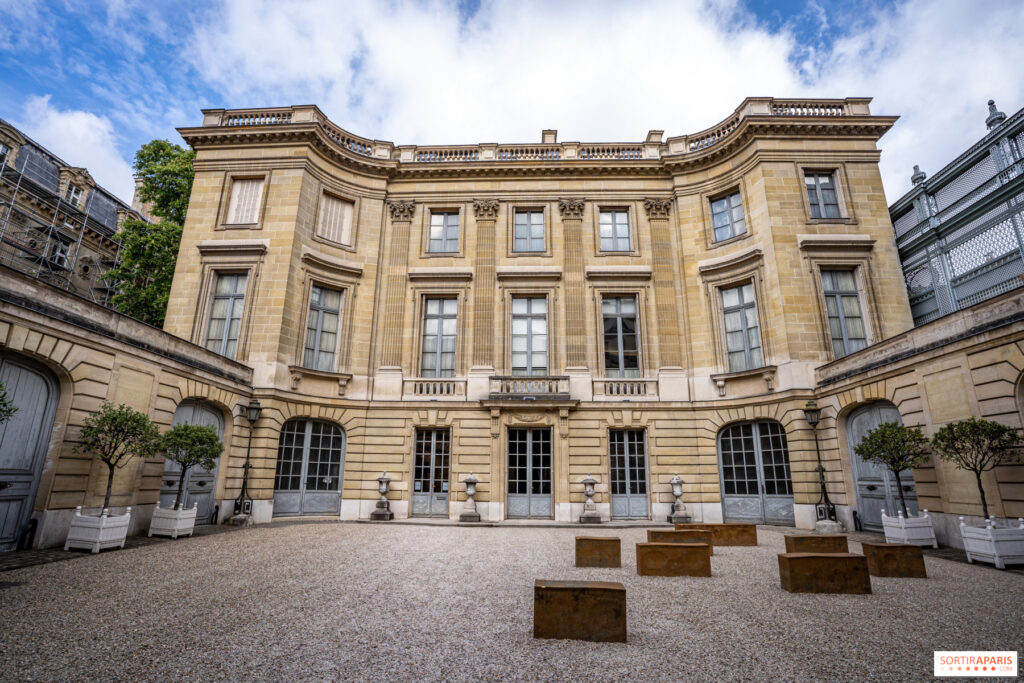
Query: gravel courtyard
(372, 602)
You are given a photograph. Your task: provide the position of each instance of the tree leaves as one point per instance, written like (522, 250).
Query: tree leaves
(167, 175)
(149, 253)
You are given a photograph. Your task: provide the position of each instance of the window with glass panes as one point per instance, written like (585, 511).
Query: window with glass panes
(322, 328)
(727, 217)
(226, 313)
(821, 194)
(842, 303)
(72, 194)
(621, 350)
(4, 151)
(529, 336)
(444, 232)
(614, 230)
(437, 358)
(528, 231)
(742, 335)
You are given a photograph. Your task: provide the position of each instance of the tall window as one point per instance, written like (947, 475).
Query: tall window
(529, 231)
(621, 351)
(4, 151)
(73, 194)
(244, 207)
(845, 322)
(322, 328)
(529, 336)
(226, 313)
(742, 336)
(727, 216)
(439, 323)
(444, 233)
(335, 220)
(821, 194)
(614, 227)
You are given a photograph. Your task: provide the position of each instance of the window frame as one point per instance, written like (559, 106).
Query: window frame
(320, 311)
(840, 180)
(73, 194)
(529, 211)
(630, 232)
(619, 297)
(838, 295)
(741, 308)
(430, 213)
(726, 195)
(224, 210)
(231, 297)
(530, 370)
(328, 191)
(438, 353)
(5, 155)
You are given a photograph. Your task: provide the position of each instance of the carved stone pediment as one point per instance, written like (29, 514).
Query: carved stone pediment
(658, 209)
(486, 208)
(571, 209)
(402, 210)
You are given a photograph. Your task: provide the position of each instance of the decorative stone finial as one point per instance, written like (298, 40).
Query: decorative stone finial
(994, 117)
(918, 176)
(571, 208)
(402, 210)
(486, 208)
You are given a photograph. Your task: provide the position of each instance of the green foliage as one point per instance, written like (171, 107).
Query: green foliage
(977, 446)
(7, 407)
(115, 435)
(895, 447)
(191, 445)
(149, 252)
(166, 174)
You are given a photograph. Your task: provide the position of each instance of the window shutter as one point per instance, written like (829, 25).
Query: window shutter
(245, 200)
(335, 223)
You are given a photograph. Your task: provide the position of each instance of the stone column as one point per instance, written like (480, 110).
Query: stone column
(484, 302)
(388, 383)
(672, 378)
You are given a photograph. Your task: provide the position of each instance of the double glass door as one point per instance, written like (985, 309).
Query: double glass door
(430, 476)
(628, 455)
(310, 466)
(529, 473)
(756, 482)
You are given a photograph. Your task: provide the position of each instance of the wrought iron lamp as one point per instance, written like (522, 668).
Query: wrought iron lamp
(826, 510)
(243, 504)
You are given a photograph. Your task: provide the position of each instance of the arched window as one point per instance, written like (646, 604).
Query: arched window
(756, 481)
(310, 468)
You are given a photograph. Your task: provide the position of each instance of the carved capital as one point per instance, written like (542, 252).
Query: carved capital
(486, 209)
(571, 209)
(402, 210)
(658, 209)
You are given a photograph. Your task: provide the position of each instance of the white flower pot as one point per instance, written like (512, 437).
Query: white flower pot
(173, 523)
(911, 530)
(96, 533)
(998, 545)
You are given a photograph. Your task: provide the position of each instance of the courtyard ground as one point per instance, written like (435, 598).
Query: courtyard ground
(341, 601)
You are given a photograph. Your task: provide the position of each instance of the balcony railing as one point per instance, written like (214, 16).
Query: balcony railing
(626, 389)
(547, 387)
(431, 388)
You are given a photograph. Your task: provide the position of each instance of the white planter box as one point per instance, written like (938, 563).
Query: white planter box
(1000, 546)
(96, 533)
(173, 523)
(912, 530)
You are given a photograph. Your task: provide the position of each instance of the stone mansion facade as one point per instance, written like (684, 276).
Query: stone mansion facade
(537, 313)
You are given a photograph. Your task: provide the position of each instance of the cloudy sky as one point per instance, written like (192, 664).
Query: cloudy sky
(93, 80)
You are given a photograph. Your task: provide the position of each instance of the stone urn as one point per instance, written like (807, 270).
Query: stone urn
(383, 513)
(469, 511)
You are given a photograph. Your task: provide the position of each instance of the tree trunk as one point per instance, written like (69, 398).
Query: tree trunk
(981, 490)
(110, 486)
(899, 487)
(181, 486)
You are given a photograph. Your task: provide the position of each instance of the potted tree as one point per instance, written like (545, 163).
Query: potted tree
(899, 448)
(978, 446)
(188, 445)
(114, 435)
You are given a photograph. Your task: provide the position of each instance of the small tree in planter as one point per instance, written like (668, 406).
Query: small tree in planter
(114, 435)
(189, 446)
(899, 448)
(979, 446)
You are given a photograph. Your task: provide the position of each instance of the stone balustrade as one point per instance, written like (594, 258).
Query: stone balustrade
(447, 389)
(619, 389)
(542, 387)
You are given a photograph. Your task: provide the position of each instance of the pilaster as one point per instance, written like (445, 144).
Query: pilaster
(575, 299)
(395, 274)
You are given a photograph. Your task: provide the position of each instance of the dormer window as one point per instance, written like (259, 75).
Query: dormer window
(73, 195)
(5, 152)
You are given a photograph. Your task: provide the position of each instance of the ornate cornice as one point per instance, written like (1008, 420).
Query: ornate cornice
(486, 209)
(571, 209)
(402, 210)
(658, 209)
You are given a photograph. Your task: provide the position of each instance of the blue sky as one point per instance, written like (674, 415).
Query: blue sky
(94, 80)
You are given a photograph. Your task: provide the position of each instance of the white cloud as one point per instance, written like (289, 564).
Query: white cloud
(80, 138)
(411, 72)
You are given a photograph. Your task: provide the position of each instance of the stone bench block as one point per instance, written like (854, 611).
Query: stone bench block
(598, 551)
(681, 536)
(817, 543)
(673, 559)
(824, 573)
(895, 559)
(730, 533)
(580, 610)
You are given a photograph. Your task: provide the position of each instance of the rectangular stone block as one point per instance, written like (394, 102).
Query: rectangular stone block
(598, 551)
(895, 560)
(673, 559)
(729, 533)
(682, 536)
(824, 573)
(816, 543)
(579, 610)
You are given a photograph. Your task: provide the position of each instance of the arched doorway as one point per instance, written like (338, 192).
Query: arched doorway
(200, 483)
(876, 486)
(23, 441)
(753, 460)
(310, 468)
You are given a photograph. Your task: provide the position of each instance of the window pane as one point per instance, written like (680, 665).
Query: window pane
(730, 297)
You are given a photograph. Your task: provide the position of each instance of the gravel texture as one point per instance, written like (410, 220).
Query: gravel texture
(372, 602)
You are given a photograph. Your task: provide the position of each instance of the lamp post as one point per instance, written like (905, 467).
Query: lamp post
(243, 504)
(812, 413)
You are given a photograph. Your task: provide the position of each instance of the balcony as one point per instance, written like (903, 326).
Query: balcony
(434, 389)
(633, 389)
(522, 388)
